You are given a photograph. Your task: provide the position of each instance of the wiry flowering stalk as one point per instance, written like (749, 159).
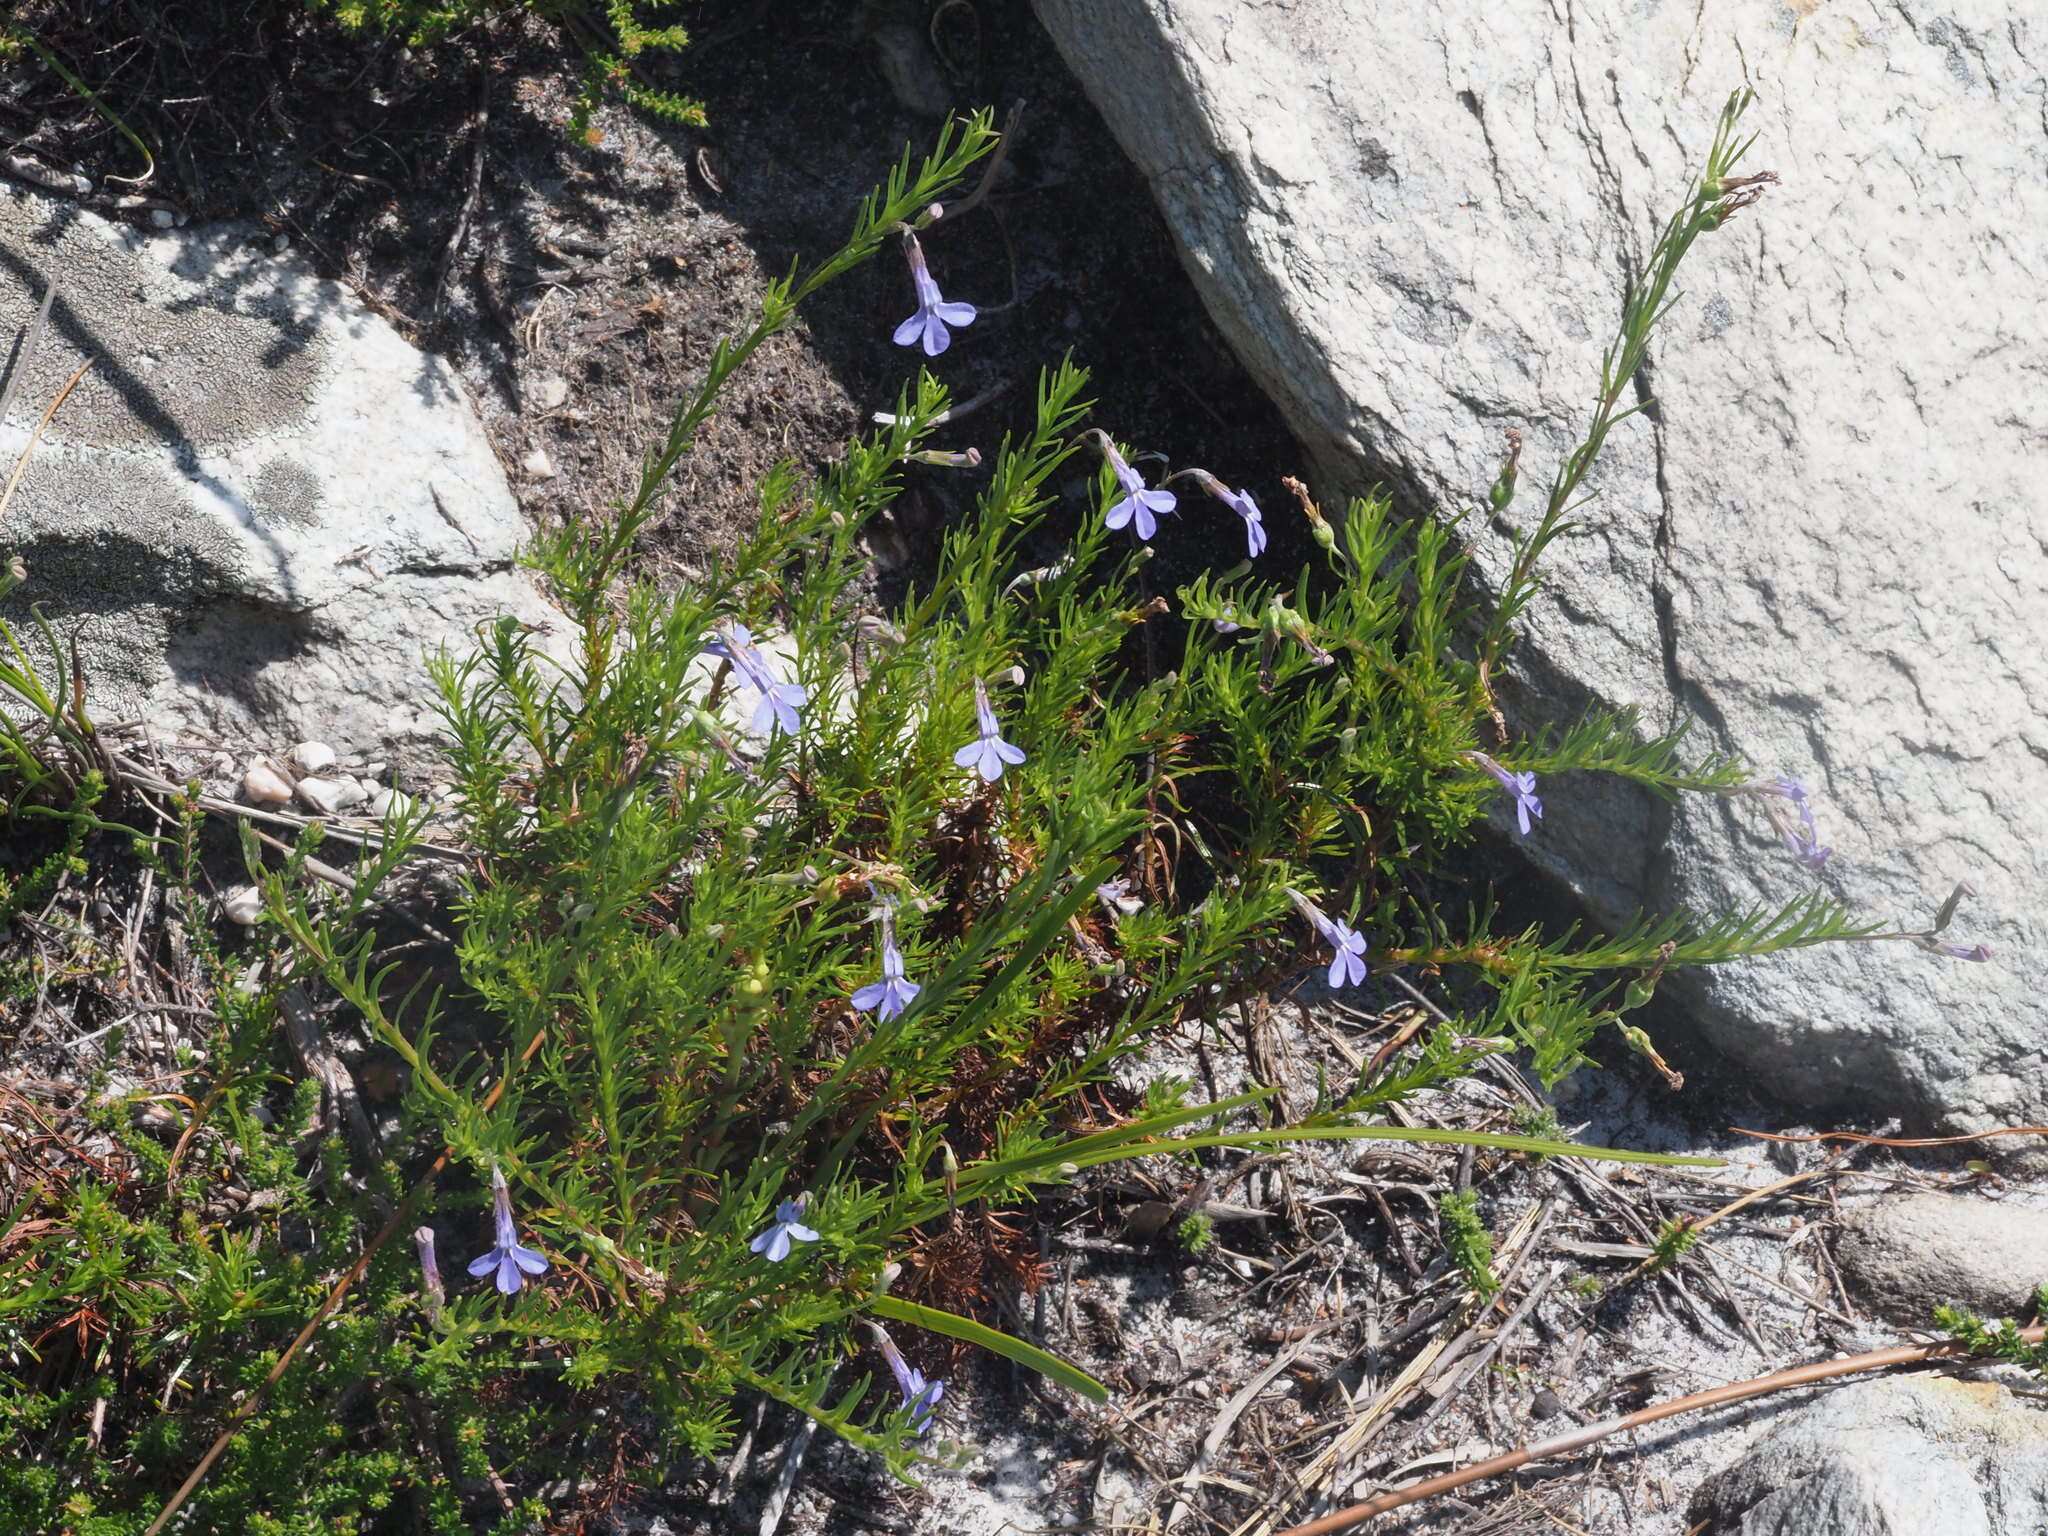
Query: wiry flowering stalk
(934, 312)
(1347, 945)
(1139, 507)
(778, 702)
(784, 1231)
(1239, 502)
(988, 753)
(507, 1259)
(1522, 786)
(892, 994)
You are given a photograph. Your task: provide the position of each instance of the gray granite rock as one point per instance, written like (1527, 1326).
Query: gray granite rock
(1904, 1255)
(1828, 546)
(1900, 1456)
(260, 506)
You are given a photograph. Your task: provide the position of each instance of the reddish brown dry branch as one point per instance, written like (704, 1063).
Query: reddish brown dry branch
(1897, 1141)
(1735, 1392)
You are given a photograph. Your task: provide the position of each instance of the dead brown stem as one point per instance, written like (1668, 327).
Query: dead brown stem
(1589, 1434)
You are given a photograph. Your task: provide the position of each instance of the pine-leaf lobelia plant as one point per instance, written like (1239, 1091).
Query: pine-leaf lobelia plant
(803, 940)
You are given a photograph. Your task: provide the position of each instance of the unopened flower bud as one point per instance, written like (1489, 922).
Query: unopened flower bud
(968, 458)
(430, 1271)
(1503, 491)
(1948, 908)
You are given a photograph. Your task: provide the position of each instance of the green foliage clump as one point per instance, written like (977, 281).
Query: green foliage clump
(1673, 1241)
(2003, 1340)
(669, 908)
(1467, 1242)
(612, 37)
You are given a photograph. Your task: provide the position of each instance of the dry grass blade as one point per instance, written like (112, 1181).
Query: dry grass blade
(21, 464)
(1219, 1432)
(1321, 1474)
(1590, 1434)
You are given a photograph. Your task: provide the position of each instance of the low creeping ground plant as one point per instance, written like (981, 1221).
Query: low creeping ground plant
(668, 1055)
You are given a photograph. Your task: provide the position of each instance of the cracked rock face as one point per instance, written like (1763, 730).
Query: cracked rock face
(1903, 1456)
(1827, 547)
(260, 507)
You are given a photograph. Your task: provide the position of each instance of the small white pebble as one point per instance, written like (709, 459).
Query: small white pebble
(281, 243)
(385, 803)
(162, 218)
(243, 905)
(550, 392)
(264, 785)
(314, 757)
(376, 770)
(323, 797)
(538, 465)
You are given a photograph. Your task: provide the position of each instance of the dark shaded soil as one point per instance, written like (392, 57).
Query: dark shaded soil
(593, 280)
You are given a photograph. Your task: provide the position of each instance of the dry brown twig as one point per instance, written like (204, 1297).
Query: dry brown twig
(21, 464)
(1714, 1397)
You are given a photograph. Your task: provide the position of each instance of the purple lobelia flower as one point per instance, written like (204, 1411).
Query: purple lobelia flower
(1981, 953)
(1521, 785)
(1139, 506)
(920, 1397)
(1239, 502)
(779, 701)
(892, 994)
(934, 313)
(786, 1230)
(1116, 895)
(1347, 945)
(1801, 838)
(1936, 945)
(507, 1259)
(988, 752)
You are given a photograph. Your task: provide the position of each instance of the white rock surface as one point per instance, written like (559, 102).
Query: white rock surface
(1904, 1255)
(384, 803)
(264, 785)
(1829, 548)
(324, 797)
(1899, 1456)
(265, 502)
